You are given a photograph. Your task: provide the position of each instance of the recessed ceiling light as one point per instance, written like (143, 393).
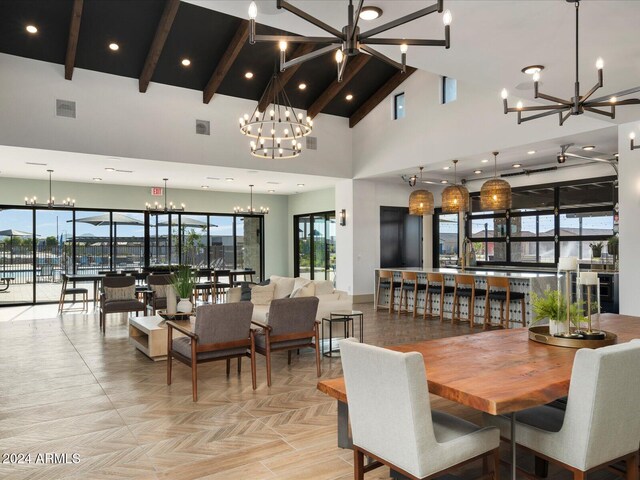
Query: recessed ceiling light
(248, 75)
(443, 181)
(531, 152)
(252, 171)
(32, 29)
(110, 169)
(302, 86)
(531, 69)
(588, 147)
(114, 46)
(446, 168)
(204, 186)
(301, 185)
(229, 179)
(97, 179)
(271, 191)
(370, 13)
(484, 160)
(185, 62)
(516, 165)
(477, 172)
(349, 97)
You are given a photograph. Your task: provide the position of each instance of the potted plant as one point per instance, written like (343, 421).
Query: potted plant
(549, 306)
(612, 245)
(183, 283)
(596, 249)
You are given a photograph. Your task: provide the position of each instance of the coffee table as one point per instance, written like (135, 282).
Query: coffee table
(149, 335)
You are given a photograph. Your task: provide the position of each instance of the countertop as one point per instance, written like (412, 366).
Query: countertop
(474, 272)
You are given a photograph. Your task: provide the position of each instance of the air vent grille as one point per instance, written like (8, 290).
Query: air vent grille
(203, 127)
(312, 143)
(65, 108)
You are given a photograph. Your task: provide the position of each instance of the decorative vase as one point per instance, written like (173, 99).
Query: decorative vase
(171, 300)
(185, 305)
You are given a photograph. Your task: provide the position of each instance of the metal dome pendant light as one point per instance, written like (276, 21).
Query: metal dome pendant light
(495, 194)
(455, 198)
(421, 201)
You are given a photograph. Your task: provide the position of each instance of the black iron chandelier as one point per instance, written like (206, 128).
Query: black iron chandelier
(51, 201)
(350, 40)
(250, 210)
(578, 104)
(167, 207)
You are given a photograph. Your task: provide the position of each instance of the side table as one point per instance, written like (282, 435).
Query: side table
(352, 314)
(340, 319)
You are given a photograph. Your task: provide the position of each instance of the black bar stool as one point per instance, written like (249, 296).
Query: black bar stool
(385, 280)
(409, 283)
(504, 295)
(469, 291)
(435, 286)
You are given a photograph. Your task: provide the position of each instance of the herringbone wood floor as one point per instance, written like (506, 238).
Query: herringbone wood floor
(65, 388)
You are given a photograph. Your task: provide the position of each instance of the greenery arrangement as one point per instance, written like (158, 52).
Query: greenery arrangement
(184, 281)
(550, 306)
(612, 245)
(596, 249)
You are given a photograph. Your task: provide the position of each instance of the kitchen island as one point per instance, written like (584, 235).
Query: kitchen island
(520, 281)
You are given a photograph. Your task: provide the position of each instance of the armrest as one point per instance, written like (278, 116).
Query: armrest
(189, 333)
(261, 324)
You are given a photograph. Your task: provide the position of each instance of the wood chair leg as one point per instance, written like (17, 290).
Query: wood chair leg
(317, 336)
(487, 311)
(392, 299)
(378, 295)
(239, 365)
(268, 363)
(253, 362)
(194, 371)
(288, 357)
(496, 464)
(441, 307)
(358, 464)
(228, 366)
(632, 465)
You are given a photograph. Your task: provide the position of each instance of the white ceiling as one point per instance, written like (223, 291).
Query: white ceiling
(78, 167)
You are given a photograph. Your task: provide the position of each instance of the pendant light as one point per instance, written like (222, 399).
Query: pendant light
(495, 194)
(455, 198)
(421, 201)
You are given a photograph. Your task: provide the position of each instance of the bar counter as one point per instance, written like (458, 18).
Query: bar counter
(519, 281)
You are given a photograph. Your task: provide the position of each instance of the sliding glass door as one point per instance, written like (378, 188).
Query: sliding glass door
(17, 259)
(54, 252)
(315, 246)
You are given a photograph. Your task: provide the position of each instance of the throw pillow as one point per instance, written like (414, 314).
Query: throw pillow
(323, 287)
(262, 295)
(160, 291)
(283, 286)
(298, 284)
(308, 290)
(120, 293)
(245, 292)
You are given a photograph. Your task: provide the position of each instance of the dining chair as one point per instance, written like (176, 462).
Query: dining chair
(291, 324)
(392, 421)
(158, 284)
(220, 332)
(601, 423)
(118, 295)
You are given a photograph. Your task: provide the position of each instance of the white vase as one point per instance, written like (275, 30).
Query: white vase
(171, 300)
(185, 305)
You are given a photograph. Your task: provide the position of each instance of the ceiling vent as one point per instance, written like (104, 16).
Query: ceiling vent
(65, 108)
(312, 143)
(203, 127)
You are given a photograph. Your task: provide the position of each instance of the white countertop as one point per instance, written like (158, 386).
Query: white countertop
(475, 273)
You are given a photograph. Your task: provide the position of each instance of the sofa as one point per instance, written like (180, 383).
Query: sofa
(329, 298)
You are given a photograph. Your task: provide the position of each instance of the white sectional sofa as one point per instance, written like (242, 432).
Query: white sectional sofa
(282, 287)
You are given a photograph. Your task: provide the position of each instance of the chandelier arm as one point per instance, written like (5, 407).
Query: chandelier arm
(551, 98)
(601, 112)
(380, 56)
(296, 39)
(544, 114)
(563, 118)
(534, 108)
(356, 18)
(402, 20)
(630, 101)
(622, 93)
(342, 68)
(593, 90)
(309, 56)
(309, 18)
(401, 41)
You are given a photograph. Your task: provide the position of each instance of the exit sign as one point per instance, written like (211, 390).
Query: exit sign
(156, 191)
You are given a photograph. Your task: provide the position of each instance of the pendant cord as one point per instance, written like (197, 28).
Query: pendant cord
(495, 165)
(577, 39)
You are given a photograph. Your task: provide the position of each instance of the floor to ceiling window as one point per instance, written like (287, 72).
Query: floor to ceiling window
(92, 241)
(158, 239)
(221, 241)
(193, 232)
(16, 244)
(315, 245)
(446, 228)
(54, 252)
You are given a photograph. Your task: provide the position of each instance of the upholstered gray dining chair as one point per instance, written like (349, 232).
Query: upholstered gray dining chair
(221, 332)
(392, 421)
(118, 295)
(601, 423)
(291, 324)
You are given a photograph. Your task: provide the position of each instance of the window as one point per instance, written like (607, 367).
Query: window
(398, 106)
(449, 89)
(447, 234)
(315, 246)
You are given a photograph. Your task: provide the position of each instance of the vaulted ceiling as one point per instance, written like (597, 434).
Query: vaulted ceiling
(154, 36)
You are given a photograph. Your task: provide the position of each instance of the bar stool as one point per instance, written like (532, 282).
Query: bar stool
(435, 286)
(469, 291)
(503, 296)
(409, 283)
(73, 291)
(385, 280)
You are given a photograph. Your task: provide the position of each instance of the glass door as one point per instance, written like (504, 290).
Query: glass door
(315, 246)
(158, 239)
(54, 252)
(17, 260)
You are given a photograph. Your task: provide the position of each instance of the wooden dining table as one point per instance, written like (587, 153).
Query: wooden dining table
(499, 372)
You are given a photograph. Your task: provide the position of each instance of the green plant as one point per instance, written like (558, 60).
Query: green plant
(596, 249)
(550, 305)
(184, 281)
(612, 245)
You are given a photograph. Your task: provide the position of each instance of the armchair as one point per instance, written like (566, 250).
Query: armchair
(118, 295)
(220, 332)
(158, 284)
(291, 324)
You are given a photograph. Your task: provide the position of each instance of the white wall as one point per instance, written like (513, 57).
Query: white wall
(14, 190)
(114, 119)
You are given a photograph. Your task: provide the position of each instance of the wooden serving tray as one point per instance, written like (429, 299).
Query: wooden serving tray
(541, 334)
(175, 316)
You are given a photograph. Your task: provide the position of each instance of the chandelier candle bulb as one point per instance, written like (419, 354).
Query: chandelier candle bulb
(447, 18)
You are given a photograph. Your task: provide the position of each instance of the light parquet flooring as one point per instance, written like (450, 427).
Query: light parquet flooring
(66, 388)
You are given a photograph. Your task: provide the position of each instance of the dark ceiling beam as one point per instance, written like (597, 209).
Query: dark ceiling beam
(353, 67)
(224, 65)
(159, 39)
(285, 77)
(72, 44)
(382, 93)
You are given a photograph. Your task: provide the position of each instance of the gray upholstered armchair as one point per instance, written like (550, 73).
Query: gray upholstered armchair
(291, 324)
(601, 423)
(221, 332)
(118, 295)
(158, 284)
(392, 421)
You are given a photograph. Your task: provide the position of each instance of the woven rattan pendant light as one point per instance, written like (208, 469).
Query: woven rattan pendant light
(495, 194)
(421, 201)
(455, 198)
